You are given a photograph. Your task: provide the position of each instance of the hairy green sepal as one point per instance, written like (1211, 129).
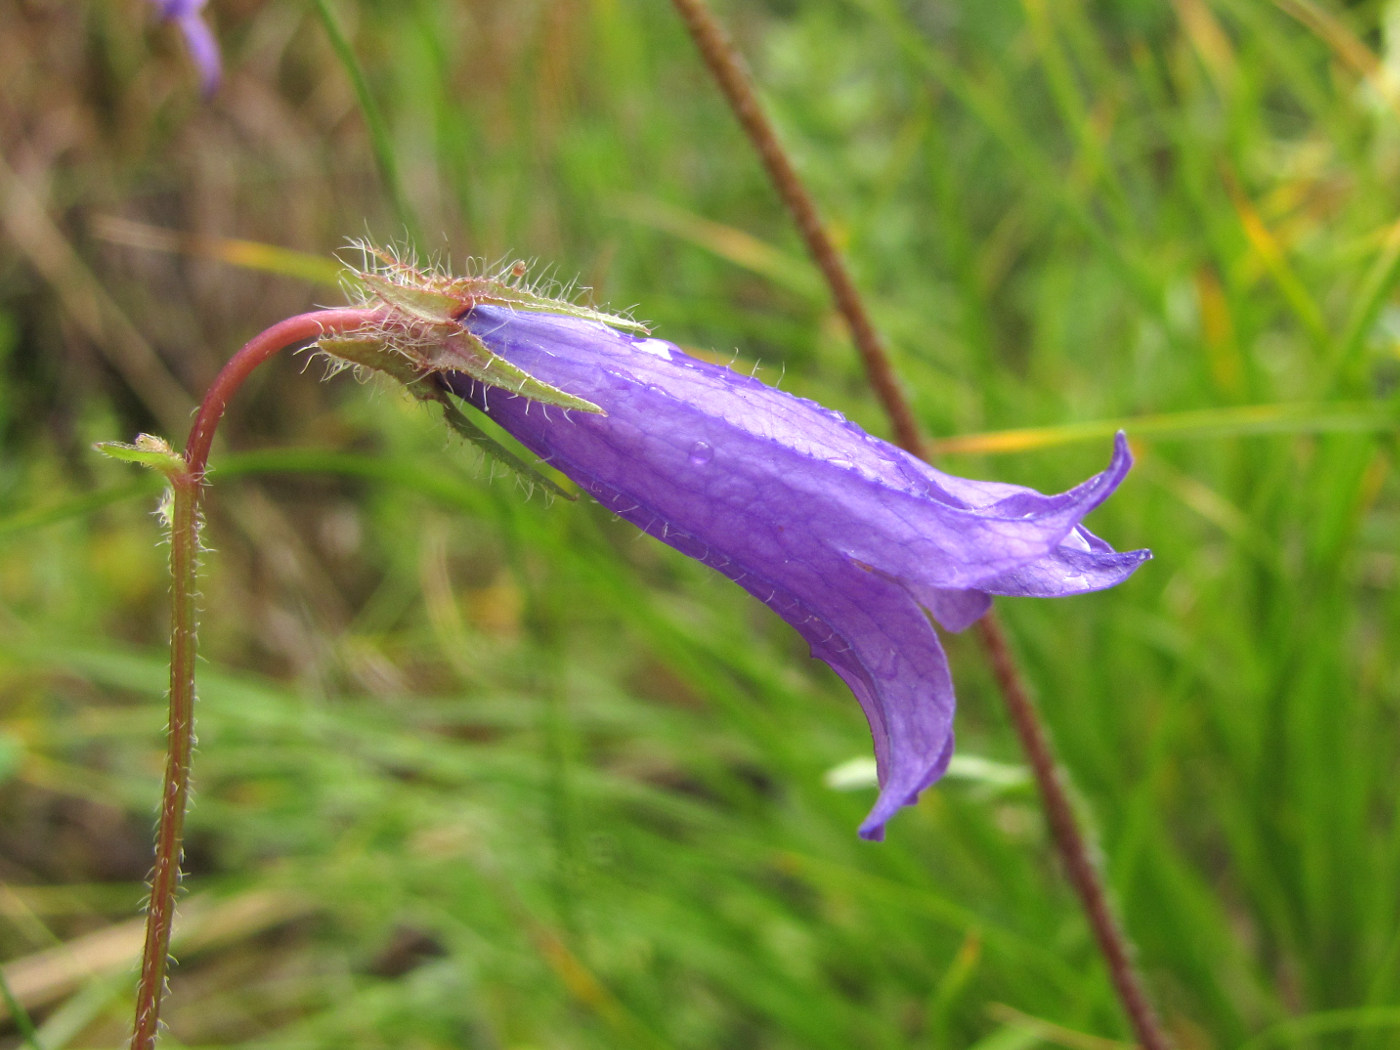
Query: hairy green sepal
(374, 353)
(421, 336)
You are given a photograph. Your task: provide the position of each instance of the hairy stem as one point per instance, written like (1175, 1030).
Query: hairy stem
(165, 878)
(1070, 840)
(185, 490)
(293, 331)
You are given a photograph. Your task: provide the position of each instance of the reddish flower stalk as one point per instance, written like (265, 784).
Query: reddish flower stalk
(186, 477)
(724, 62)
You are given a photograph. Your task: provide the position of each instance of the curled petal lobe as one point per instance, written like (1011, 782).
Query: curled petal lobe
(857, 544)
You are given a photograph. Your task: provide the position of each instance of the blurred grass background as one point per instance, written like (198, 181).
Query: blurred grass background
(481, 771)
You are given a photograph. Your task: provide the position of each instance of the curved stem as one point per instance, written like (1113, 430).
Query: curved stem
(719, 54)
(185, 487)
(298, 329)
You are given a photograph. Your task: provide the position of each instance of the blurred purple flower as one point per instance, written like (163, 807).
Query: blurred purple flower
(199, 38)
(848, 538)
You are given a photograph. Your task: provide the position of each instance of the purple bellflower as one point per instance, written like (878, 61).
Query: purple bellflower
(854, 542)
(199, 38)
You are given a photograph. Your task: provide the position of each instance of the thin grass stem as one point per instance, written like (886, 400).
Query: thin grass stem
(380, 145)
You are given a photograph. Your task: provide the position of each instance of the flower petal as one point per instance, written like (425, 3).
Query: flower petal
(774, 456)
(199, 38)
(846, 537)
(1070, 569)
(204, 49)
(872, 633)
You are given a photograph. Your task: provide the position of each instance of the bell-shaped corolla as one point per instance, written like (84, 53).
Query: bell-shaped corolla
(857, 544)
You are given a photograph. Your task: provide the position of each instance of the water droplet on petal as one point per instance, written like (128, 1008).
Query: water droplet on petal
(701, 453)
(886, 667)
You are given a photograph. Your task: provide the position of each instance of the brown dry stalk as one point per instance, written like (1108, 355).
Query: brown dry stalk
(724, 62)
